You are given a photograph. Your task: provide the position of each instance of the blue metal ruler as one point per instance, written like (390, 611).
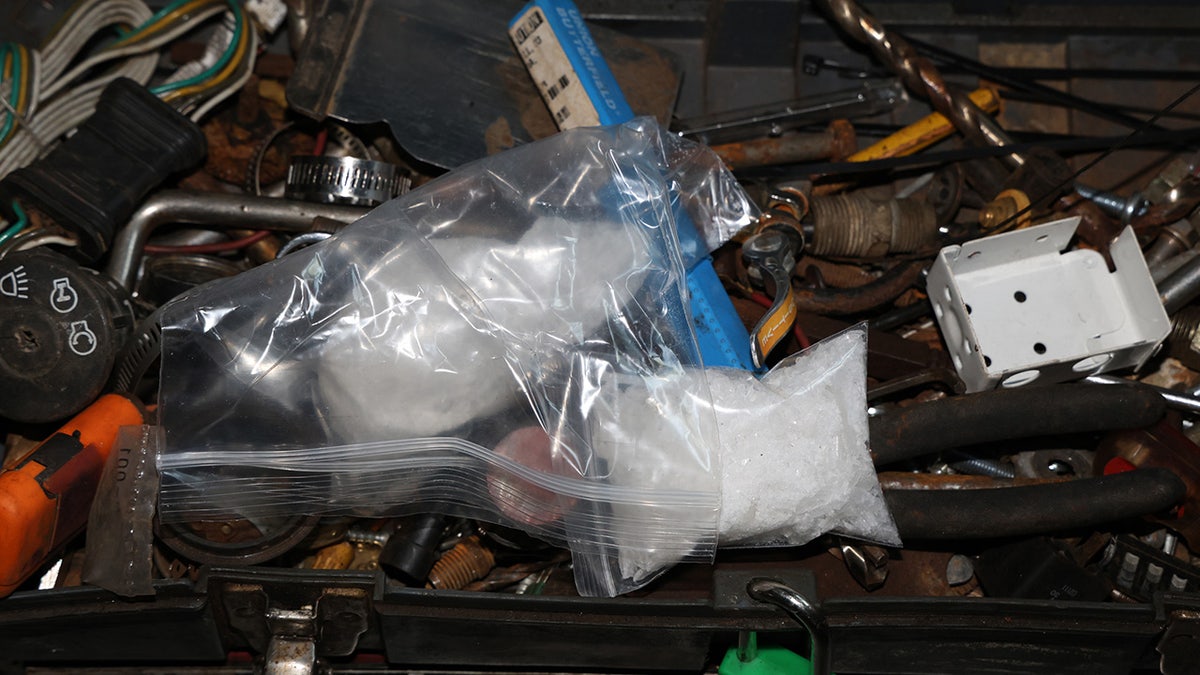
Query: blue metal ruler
(580, 90)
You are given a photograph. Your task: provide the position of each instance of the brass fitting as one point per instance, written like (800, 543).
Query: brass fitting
(335, 557)
(1004, 207)
(468, 561)
(855, 225)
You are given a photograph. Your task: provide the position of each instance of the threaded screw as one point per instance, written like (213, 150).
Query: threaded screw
(1114, 204)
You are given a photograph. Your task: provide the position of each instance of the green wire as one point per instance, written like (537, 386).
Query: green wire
(17, 226)
(16, 88)
(152, 20)
(216, 67)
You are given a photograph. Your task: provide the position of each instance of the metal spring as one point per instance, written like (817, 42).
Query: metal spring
(466, 562)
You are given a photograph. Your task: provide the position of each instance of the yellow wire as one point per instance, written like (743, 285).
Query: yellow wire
(165, 23)
(225, 74)
(9, 66)
(6, 74)
(22, 101)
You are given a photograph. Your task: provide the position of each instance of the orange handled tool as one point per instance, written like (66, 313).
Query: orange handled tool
(45, 497)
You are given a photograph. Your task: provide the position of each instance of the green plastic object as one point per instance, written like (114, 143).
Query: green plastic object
(751, 660)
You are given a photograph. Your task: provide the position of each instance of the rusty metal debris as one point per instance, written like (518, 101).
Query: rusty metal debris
(851, 194)
(834, 143)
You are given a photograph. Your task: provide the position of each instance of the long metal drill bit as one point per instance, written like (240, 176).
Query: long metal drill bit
(919, 74)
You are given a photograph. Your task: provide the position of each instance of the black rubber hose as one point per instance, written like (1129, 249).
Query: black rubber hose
(1010, 413)
(857, 299)
(409, 555)
(1036, 509)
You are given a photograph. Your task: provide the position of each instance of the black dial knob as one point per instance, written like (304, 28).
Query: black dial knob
(61, 328)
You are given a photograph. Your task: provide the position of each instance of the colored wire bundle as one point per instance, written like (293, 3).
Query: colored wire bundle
(151, 34)
(55, 110)
(18, 72)
(198, 93)
(46, 93)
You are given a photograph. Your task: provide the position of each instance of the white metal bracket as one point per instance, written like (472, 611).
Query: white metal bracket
(1019, 307)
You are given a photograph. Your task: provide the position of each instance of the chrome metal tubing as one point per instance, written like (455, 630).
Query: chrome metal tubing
(216, 211)
(1174, 399)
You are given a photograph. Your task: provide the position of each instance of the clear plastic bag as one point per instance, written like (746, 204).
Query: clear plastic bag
(455, 350)
(705, 193)
(795, 462)
(120, 554)
(800, 465)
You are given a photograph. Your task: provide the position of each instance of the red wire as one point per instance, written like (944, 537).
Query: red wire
(322, 139)
(219, 247)
(801, 337)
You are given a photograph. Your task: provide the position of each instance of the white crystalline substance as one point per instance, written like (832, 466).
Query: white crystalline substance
(795, 462)
(793, 453)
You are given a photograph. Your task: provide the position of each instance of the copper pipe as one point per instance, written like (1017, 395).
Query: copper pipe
(865, 298)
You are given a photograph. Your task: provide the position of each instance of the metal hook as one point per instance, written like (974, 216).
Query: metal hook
(803, 611)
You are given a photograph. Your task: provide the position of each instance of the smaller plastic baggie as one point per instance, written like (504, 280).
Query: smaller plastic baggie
(793, 445)
(455, 350)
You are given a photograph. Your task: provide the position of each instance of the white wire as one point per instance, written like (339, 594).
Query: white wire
(57, 52)
(45, 239)
(217, 44)
(137, 48)
(233, 87)
(56, 116)
(62, 103)
(34, 236)
(64, 108)
(67, 111)
(84, 23)
(35, 85)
